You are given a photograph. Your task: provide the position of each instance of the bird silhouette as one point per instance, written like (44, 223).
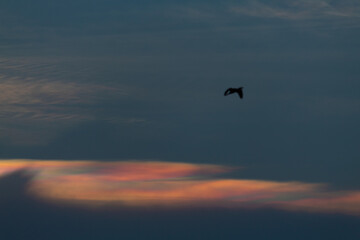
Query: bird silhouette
(234, 90)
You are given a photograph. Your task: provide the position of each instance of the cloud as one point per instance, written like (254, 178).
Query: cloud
(130, 183)
(347, 202)
(22, 216)
(42, 96)
(36, 108)
(30, 81)
(300, 9)
(14, 186)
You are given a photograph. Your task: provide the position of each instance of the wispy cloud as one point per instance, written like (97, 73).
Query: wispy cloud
(45, 92)
(40, 96)
(132, 183)
(40, 89)
(299, 9)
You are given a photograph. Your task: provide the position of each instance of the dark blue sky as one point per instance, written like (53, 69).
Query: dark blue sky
(116, 80)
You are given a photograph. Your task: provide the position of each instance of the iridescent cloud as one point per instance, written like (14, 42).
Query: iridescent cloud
(153, 183)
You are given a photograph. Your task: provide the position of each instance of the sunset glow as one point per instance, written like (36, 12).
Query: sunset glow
(131, 183)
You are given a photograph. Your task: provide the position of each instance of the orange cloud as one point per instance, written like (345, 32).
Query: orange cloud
(194, 192)
(173, 184)
(336, 202)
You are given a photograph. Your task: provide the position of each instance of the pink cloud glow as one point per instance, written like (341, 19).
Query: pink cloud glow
(173, 184)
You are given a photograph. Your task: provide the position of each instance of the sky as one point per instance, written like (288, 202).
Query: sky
(113, 115)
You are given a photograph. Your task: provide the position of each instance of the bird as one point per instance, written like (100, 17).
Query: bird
(234, 90)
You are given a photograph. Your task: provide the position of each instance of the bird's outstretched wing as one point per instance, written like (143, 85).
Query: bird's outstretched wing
(240, 92)
(227, 92)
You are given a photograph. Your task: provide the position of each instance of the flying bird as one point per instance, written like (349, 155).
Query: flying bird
(234, 90)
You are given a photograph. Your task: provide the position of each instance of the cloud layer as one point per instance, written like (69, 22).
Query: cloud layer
(134, 183)
(300, 9)
(40, 97)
